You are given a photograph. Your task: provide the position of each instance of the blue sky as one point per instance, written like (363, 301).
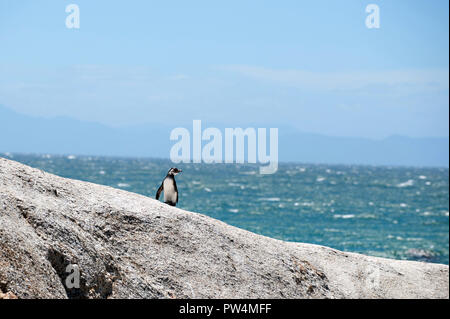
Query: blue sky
(310, 65)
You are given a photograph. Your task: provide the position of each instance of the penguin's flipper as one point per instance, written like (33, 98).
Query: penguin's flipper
(160, 189)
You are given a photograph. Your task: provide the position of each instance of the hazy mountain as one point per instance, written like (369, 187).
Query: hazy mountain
(394, 150)
(61, 135)
(26, 134)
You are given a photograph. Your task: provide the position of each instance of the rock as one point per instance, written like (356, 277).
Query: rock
(420, 254)
(129, 246)
(8, 295)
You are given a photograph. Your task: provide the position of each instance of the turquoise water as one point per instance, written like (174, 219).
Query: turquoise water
(391, 212)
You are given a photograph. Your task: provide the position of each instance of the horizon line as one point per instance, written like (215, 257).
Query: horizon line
(136, 157)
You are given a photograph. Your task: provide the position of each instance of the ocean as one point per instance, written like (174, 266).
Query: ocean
(394, 212)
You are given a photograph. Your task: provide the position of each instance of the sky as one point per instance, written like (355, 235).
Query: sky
(312, 66)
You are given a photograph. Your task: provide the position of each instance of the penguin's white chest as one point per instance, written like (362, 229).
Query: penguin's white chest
(169, 191)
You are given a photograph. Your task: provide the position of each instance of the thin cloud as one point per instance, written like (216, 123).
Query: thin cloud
(428, 79)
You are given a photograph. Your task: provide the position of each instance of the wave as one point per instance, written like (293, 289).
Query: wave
(345, 216)
(123, 185)
(408, 183)
(270, 199)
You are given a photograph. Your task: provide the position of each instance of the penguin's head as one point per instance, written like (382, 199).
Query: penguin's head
(174, 171)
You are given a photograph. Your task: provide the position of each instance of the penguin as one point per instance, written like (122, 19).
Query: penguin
(169, 186)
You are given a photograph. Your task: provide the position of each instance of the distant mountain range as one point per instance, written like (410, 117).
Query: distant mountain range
(26, 134)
